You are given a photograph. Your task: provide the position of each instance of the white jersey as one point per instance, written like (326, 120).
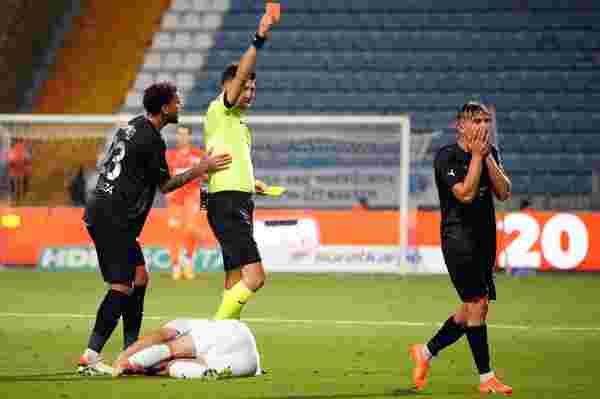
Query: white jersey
(222, 344)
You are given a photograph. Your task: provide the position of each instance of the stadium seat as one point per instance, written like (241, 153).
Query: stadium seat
(172, 61)
(152, 62)
(143, 80)
(183, 5)
(194, 61)
(203, 41)
(182, 40)
(184, 80)
(191, 21)
(162, 41)
(521, 181)
(170, 21)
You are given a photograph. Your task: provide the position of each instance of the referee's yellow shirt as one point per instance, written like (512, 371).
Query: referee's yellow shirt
(226, 132)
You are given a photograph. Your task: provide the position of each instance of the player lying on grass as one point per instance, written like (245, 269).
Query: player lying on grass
(193, 348)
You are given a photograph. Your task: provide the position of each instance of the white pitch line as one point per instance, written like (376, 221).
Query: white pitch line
(372, 323)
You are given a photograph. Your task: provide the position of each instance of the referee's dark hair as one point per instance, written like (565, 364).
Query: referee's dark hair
(230, 71)
(158, 94)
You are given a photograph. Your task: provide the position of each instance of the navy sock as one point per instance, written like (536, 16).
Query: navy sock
(132, 316)
(108, 315)
(448, 334)
(478, 341)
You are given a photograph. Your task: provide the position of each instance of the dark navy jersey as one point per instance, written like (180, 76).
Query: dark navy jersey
(129, 173)
(451, 166)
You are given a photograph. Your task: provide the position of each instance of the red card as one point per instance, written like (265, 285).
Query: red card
(274, 10)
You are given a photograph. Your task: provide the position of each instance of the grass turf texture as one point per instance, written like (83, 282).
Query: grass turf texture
(45, 320)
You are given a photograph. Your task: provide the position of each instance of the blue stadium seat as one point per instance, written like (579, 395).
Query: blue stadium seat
(583, 143)
(521, 181)
(413, 40)
(582, 182)
(562, 182)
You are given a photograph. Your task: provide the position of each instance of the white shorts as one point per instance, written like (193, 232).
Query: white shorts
(222, 343)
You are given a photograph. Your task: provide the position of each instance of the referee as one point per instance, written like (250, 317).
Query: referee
(230, 202)
(467, 173)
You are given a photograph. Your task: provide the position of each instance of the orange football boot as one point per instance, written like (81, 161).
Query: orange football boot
(493, 385)
(421, 369)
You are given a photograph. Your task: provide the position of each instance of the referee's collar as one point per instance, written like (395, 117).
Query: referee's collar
(235, 110)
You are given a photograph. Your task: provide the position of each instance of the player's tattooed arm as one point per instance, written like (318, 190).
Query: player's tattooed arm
(208, 164)
(178, 181)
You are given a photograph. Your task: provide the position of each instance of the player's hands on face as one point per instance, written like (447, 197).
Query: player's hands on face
(485, 132)
(480, 142)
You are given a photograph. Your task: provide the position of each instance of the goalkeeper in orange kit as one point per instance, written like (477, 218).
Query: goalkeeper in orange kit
(183, 206)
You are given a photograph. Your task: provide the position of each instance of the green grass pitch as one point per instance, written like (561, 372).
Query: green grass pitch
(320, 336)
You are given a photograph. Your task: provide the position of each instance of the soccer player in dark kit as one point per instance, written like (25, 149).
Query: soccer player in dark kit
(133, 167)
(467, 174)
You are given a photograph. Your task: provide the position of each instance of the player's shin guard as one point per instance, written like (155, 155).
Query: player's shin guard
(478, 341)
(109, 312)
(133, 315)
(234, 300)
(448, 334)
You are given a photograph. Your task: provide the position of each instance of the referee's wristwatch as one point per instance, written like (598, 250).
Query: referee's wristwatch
(203, 198)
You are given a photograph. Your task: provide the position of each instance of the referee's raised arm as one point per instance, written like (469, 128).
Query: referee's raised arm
(247, 63)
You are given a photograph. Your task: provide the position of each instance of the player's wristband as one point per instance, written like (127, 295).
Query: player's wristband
(258, 42)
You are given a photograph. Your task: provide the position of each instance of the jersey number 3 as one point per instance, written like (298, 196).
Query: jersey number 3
(112, 164)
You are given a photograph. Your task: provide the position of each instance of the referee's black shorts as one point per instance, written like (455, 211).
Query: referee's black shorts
(119, 253)
(231, 218)
(470, 261)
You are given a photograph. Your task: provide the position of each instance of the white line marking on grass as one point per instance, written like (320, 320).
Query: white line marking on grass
(371, 323)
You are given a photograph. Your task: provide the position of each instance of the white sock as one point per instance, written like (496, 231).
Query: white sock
(486, 377)
(150, 356)
(91, 355)
(183, 369)
(426, 353)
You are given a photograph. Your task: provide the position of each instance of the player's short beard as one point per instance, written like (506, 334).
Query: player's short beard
(170, 117)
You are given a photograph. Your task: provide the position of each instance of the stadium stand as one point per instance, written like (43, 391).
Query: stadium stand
(29, 33)
(537, 62)
(178, 52)
(101, 56)
(91, 74)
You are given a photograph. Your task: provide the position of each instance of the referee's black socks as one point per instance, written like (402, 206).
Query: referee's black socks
(446, 336)
(478, 341)
(132, 316)
(108, 315)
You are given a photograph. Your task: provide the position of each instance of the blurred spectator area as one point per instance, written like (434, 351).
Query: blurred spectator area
(100, 56)
(536, 61)
(30, 32)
